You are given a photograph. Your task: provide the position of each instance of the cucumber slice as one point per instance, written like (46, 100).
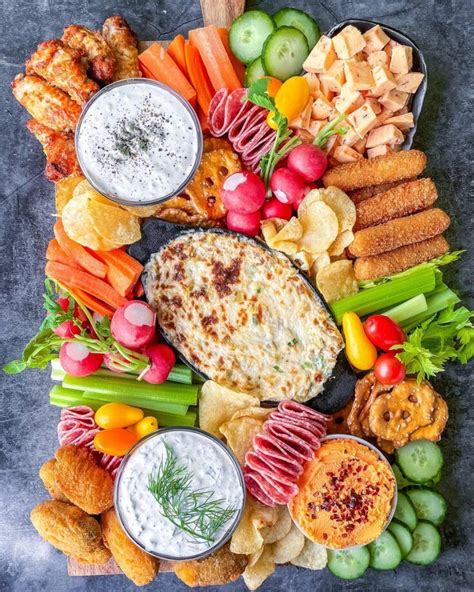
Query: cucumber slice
(405, 512)
(284, 53)
(429, 505)
(348, 564)
(253, 72)
(292, 17)
(402, 536)
(248, 33)
(402, 482)
(385, 552)
(420, 461)
(426, 544)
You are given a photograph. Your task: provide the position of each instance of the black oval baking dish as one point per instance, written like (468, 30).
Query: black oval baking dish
(419, 65)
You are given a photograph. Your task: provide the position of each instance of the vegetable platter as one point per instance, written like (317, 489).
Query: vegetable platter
(247, 309)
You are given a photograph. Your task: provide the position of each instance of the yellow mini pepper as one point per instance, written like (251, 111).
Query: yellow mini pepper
(360, 352)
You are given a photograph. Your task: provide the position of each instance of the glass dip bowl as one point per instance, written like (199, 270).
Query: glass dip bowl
(138, 142)
(213, 468)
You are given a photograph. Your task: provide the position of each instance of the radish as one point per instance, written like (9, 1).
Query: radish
(133, 325)
(63, 303)
(109, 362)
(287, 186)
(77, 360)
(308, 161)
(243, 192)
(275, 209)
(162, 360)
(245, 223)
(67, 329)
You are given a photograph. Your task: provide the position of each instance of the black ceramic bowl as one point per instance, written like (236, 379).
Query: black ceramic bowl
(419, 65)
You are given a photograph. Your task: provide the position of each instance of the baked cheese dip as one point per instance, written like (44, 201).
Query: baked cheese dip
(243, 315)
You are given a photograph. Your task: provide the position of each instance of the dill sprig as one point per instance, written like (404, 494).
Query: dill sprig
(193, 511)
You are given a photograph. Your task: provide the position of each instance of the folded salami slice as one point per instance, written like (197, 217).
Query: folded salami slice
(253, 487)
(225, 109)
(277, 492)
(292, 408)
(292, 469)
(269, 445)
(260, 463)
(318, 430)
(300, 448)
(291, 429)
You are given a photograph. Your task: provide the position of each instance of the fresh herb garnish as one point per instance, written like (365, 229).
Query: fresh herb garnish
(193, 511)
(307, 365)
(278, 369)
(292, 343)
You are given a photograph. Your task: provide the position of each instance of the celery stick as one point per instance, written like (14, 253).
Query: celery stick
(162, 406)
(167, 419)
(405, 310)
(167, 391)
(436, 301)
(385, 295)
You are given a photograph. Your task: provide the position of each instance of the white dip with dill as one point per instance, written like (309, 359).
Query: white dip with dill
(211, 469)
(137, 142)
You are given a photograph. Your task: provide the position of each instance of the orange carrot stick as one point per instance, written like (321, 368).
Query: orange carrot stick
(198, 77)
(78, 253)
(123, 271)
(238, 66)
(139, 290)
(203, 120)
(215, 57)
(176, 52)
(90, 302)
(55, 253)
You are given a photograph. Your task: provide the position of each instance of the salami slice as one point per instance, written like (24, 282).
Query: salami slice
(293, 469)
(253, 487)
(260, 463)
(224, 109)
(278, 493)
(299, 410)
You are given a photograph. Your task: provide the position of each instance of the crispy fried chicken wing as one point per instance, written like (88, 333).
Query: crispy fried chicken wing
(59, 149)
(124, 44)
(46, 103)
(137, 565)
(48, 474)
(95, 49)
(63, 67)
(70, 530)
(82, 480)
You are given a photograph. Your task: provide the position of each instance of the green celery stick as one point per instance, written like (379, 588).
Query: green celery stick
(161, 406)
(405, 310)
(436, 301)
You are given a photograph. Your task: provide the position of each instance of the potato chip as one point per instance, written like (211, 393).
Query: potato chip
(114, 224)
(310, 197)
(64, 190)
(269, 231)
(292, 231)
(255, 575)
(342, 205)
(217, 404)
(272, 534)
(322, 260)
(313, 556)
(337, 280)
(247, 538)
(254, 557)
(142, 211)
(78, 223)
(290, 546)
(303, 260)
(286, 247)
(240, 431)
(343, 240)
(320, 228)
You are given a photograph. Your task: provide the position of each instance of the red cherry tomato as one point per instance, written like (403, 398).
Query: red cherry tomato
(383, 332)
(388, 369)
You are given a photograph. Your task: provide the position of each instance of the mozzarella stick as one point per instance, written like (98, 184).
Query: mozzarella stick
(399, 232)
(407, 198)
(394, 166)
(366, 192)
(401, 259)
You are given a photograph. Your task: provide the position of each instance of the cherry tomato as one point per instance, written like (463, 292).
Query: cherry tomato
(388, 369)
(273, 85)
(292, 97)
(116, 441)
(383, 332)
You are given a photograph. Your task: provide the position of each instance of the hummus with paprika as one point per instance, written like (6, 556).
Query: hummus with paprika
(346, 495)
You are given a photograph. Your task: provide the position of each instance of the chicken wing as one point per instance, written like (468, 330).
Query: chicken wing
(124, 44)
(95, 49)
(47, 104)
(70, 530)
(63, 67)
(59, 149)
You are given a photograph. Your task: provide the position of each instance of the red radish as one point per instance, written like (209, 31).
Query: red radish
(243, 192)
(63, 303)
(273, 208)
(67, 329)
(162, 360)
(133, 325)
(77, 360)
(308, 161)
(287, 186)
(245, 223)
(109, 360)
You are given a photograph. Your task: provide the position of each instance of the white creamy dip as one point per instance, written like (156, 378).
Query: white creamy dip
(212, 468)
(137, 142)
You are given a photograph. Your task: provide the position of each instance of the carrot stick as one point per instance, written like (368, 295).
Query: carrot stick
(139, 290)
(203, 120)
(78, 253)
(176, 52)
(90, 302)
(123, 271)
(238, 66)
(75, 278)
(198, 77)
(163, 68)
(215, 57)
(55, 253)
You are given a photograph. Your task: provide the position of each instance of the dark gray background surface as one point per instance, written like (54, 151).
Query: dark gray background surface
(27, 422)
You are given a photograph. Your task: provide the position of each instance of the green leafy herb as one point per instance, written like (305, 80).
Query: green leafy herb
(278, 369)
(193, 511)
(329, 130)
(293, 342)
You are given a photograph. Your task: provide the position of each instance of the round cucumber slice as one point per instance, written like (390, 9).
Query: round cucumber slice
(426, 544)
(248, 34)
(292, 17)
(429, 505)
(348, 564)
(405, 512)
(253, 72)
(402, 536)
(402, 482)
(385, 552)
(284, 52)
(420, 460)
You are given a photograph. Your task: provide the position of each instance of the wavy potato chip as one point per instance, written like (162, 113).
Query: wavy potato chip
(256, 574)
(286, 247)
(240, 430)
(303, 260)
(247, 538)
(64, 190)
(313, 556)
(310, 197)
(343, 240)
(342, 205)
(290, 546)
(272, 534)
(337, 280)
(292, 231)
(78, 223)
(320, 228)
(114, 224)
(322, 260)
(141, 211)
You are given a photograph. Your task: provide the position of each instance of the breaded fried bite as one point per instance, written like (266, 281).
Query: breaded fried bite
(124, 44)
(94, 48)
(49, 475)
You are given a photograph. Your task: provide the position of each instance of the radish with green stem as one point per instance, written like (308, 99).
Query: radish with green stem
(133, 325)
(77, 360)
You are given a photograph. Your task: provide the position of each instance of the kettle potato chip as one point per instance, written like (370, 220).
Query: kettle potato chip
(320, 228)
(313, 556)
(337, 280)
(254, 575)
(290, 546)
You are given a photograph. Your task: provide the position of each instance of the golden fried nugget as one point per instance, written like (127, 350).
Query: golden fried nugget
(376, 266)
(82, 480)
(70, 530)
(49, 475)
(360, 195)
(94, 47)
(137, 565)
(124, 45)
(222, 567)
(394, 166)
(434, 430)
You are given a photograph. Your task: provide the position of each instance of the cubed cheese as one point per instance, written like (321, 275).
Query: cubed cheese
(349, 101)
(394, 100)
(375, 39)
(378, 58)
(409, 82)
(304, 118)
(334, 77)
(360, 145)
(346, 154)
(351, 137)
(348, 42)
(363, 119)
(321, 57)
(316, 126)
(383, 116)
(401, 61)
(384, 81)
(358, 75)
(313, 82)
(404, 122)
(325, 90)
(386, 134)
(333, 142)
(322, 108)
(381, 150)
(376, 106)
